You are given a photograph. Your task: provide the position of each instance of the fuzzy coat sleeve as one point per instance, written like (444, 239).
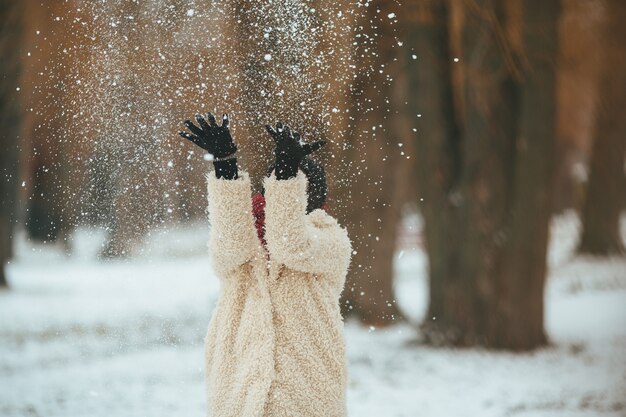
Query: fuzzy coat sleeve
(313, 243)
(233, 239)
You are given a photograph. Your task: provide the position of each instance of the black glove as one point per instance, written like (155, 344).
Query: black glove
(289, 151)
(217, 141)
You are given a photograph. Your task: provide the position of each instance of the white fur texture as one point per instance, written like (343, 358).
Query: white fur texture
(275, 343)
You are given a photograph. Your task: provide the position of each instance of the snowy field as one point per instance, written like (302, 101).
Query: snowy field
(79, 337)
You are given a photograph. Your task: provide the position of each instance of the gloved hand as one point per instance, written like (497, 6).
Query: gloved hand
(289, 151)
(217, 141)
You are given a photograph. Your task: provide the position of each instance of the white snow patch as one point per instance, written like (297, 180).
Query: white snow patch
(81, 337)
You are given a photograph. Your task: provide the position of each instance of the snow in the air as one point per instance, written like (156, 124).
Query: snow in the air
(83, 338)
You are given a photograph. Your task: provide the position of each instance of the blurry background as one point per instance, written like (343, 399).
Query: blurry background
(476, 155)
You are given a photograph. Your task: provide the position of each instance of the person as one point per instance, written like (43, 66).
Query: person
(275, 344)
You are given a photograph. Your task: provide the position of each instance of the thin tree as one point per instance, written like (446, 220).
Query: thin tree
(485, 159)
(45, 143)
(10, 40)
(374, 201)
(606, 189)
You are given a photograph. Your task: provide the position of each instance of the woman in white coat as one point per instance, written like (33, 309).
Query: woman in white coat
(275, 344)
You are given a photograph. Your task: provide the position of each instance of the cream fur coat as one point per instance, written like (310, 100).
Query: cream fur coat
(275, 345)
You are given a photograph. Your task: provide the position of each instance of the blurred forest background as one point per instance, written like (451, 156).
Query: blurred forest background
(485, 116)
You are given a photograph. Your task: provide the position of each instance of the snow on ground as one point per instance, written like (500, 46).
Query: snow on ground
(80, 337)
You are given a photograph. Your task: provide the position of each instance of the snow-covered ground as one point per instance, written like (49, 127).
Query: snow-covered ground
(80, 337)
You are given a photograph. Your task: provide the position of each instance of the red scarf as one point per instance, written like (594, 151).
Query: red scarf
(258, 210)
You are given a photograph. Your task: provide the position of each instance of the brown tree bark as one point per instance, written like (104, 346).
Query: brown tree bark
(485, 167)
(606, 188)
(10, 42)
(134, 144)
(437, 150)
(373, 207)
(303, 83)
(48, 172)
(579, 54)
(520, 285)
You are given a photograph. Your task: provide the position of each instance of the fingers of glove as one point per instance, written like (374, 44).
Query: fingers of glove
(189, 136)
(312, 147)
(225, 120)
(287, 132)
(296, 136)
(203, 124)
(212, 120)
(279, 127)
(194, 129)
(271, 131)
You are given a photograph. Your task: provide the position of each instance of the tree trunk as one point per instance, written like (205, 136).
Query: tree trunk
(485, 169)
(521, 283)
(437, 151)
(607, 184)
(10, 41)
(292, 71)
(374, 156)
(136, 174)
(49, 173)
(578, 63)
(491, 100)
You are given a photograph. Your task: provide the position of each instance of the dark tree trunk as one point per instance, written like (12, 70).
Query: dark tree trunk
(437, 152)
(285, 73)
(485, 169)
(10, 41)
(521, 282)
(250, 18)
(580, 50)
(374, 156)
(137, 184)
(122, 165)
(606, 188)
(491, 100)
(46, 144)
